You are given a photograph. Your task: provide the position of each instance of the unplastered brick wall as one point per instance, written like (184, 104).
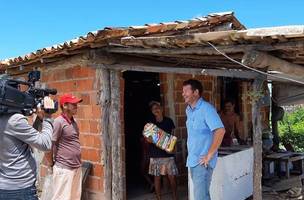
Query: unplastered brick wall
(171, 84)
(82, 82)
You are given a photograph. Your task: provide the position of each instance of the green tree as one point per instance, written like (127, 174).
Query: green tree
(291, 128)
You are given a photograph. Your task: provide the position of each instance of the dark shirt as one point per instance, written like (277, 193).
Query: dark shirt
(168, 126)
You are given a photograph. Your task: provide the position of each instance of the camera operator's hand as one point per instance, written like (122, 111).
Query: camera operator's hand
(41, 114)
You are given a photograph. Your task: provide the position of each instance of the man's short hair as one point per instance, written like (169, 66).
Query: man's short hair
(195, 85)
(153, 103)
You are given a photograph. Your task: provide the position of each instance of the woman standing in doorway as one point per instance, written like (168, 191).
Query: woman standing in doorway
(162, 163)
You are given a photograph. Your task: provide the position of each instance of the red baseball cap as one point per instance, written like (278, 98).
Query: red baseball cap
(69, 98)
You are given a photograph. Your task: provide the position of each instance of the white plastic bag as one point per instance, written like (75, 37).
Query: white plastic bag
(47, 190)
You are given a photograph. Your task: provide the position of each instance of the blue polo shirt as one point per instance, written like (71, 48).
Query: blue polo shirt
(201, 122)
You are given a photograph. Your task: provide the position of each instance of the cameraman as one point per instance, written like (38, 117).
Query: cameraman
(17, 165)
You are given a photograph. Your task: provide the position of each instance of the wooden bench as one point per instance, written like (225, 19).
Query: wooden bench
(287, 158)
(296, 157)
(276, 158)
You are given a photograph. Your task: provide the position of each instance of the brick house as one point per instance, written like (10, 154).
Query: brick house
(117, 71)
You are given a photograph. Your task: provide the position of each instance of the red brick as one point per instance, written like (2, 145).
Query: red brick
(164, 88)
(167, 112)
(85, 98)
(69, 86)
(59, 74)
(207, 86)
(183, 107)
(94, 183)
(181, 121)
(90, 154)
(95, 127)
(206, 96)
(178, 97)
(56, 85)
(44, 78)
(64, 86)
(96, 111)
(54, 75)
(177, 109)
(84, 85)
(97, 170)
(162, 77)
(69, 72)
(178, 84)
(206, 78)
(80, 112)
(84, 126)
(87, 112)
(79, 72)
(93, 141)
(47, 77)
(94, 98)
(183, 77)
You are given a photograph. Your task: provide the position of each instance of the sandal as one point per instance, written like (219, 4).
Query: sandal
(294, 192)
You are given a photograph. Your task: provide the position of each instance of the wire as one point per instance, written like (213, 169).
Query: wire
(253, 69)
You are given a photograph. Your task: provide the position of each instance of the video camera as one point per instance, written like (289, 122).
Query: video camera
(13, 100)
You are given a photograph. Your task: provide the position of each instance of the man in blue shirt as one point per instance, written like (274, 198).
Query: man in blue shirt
(205, 134)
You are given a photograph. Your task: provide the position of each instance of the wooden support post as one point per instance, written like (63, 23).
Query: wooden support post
(115, 132)
(105, 94)
(257, 142)
(111, 133)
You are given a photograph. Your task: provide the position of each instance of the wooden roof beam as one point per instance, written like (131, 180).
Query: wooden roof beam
(180, 70)
(259, 59)
(206, 50)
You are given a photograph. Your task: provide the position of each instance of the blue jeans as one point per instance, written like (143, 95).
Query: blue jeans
(201, 178)
(29, 193)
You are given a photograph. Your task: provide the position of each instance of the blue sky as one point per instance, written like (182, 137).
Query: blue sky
(26, 26)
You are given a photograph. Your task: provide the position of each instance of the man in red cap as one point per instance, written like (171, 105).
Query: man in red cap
(65, 157)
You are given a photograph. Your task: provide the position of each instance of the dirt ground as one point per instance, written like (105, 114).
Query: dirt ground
(273, 195)
(166, 195)
(279, 196)
(183, 195)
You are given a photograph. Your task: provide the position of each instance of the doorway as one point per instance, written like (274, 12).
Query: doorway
(230, 91)
(140, 89)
